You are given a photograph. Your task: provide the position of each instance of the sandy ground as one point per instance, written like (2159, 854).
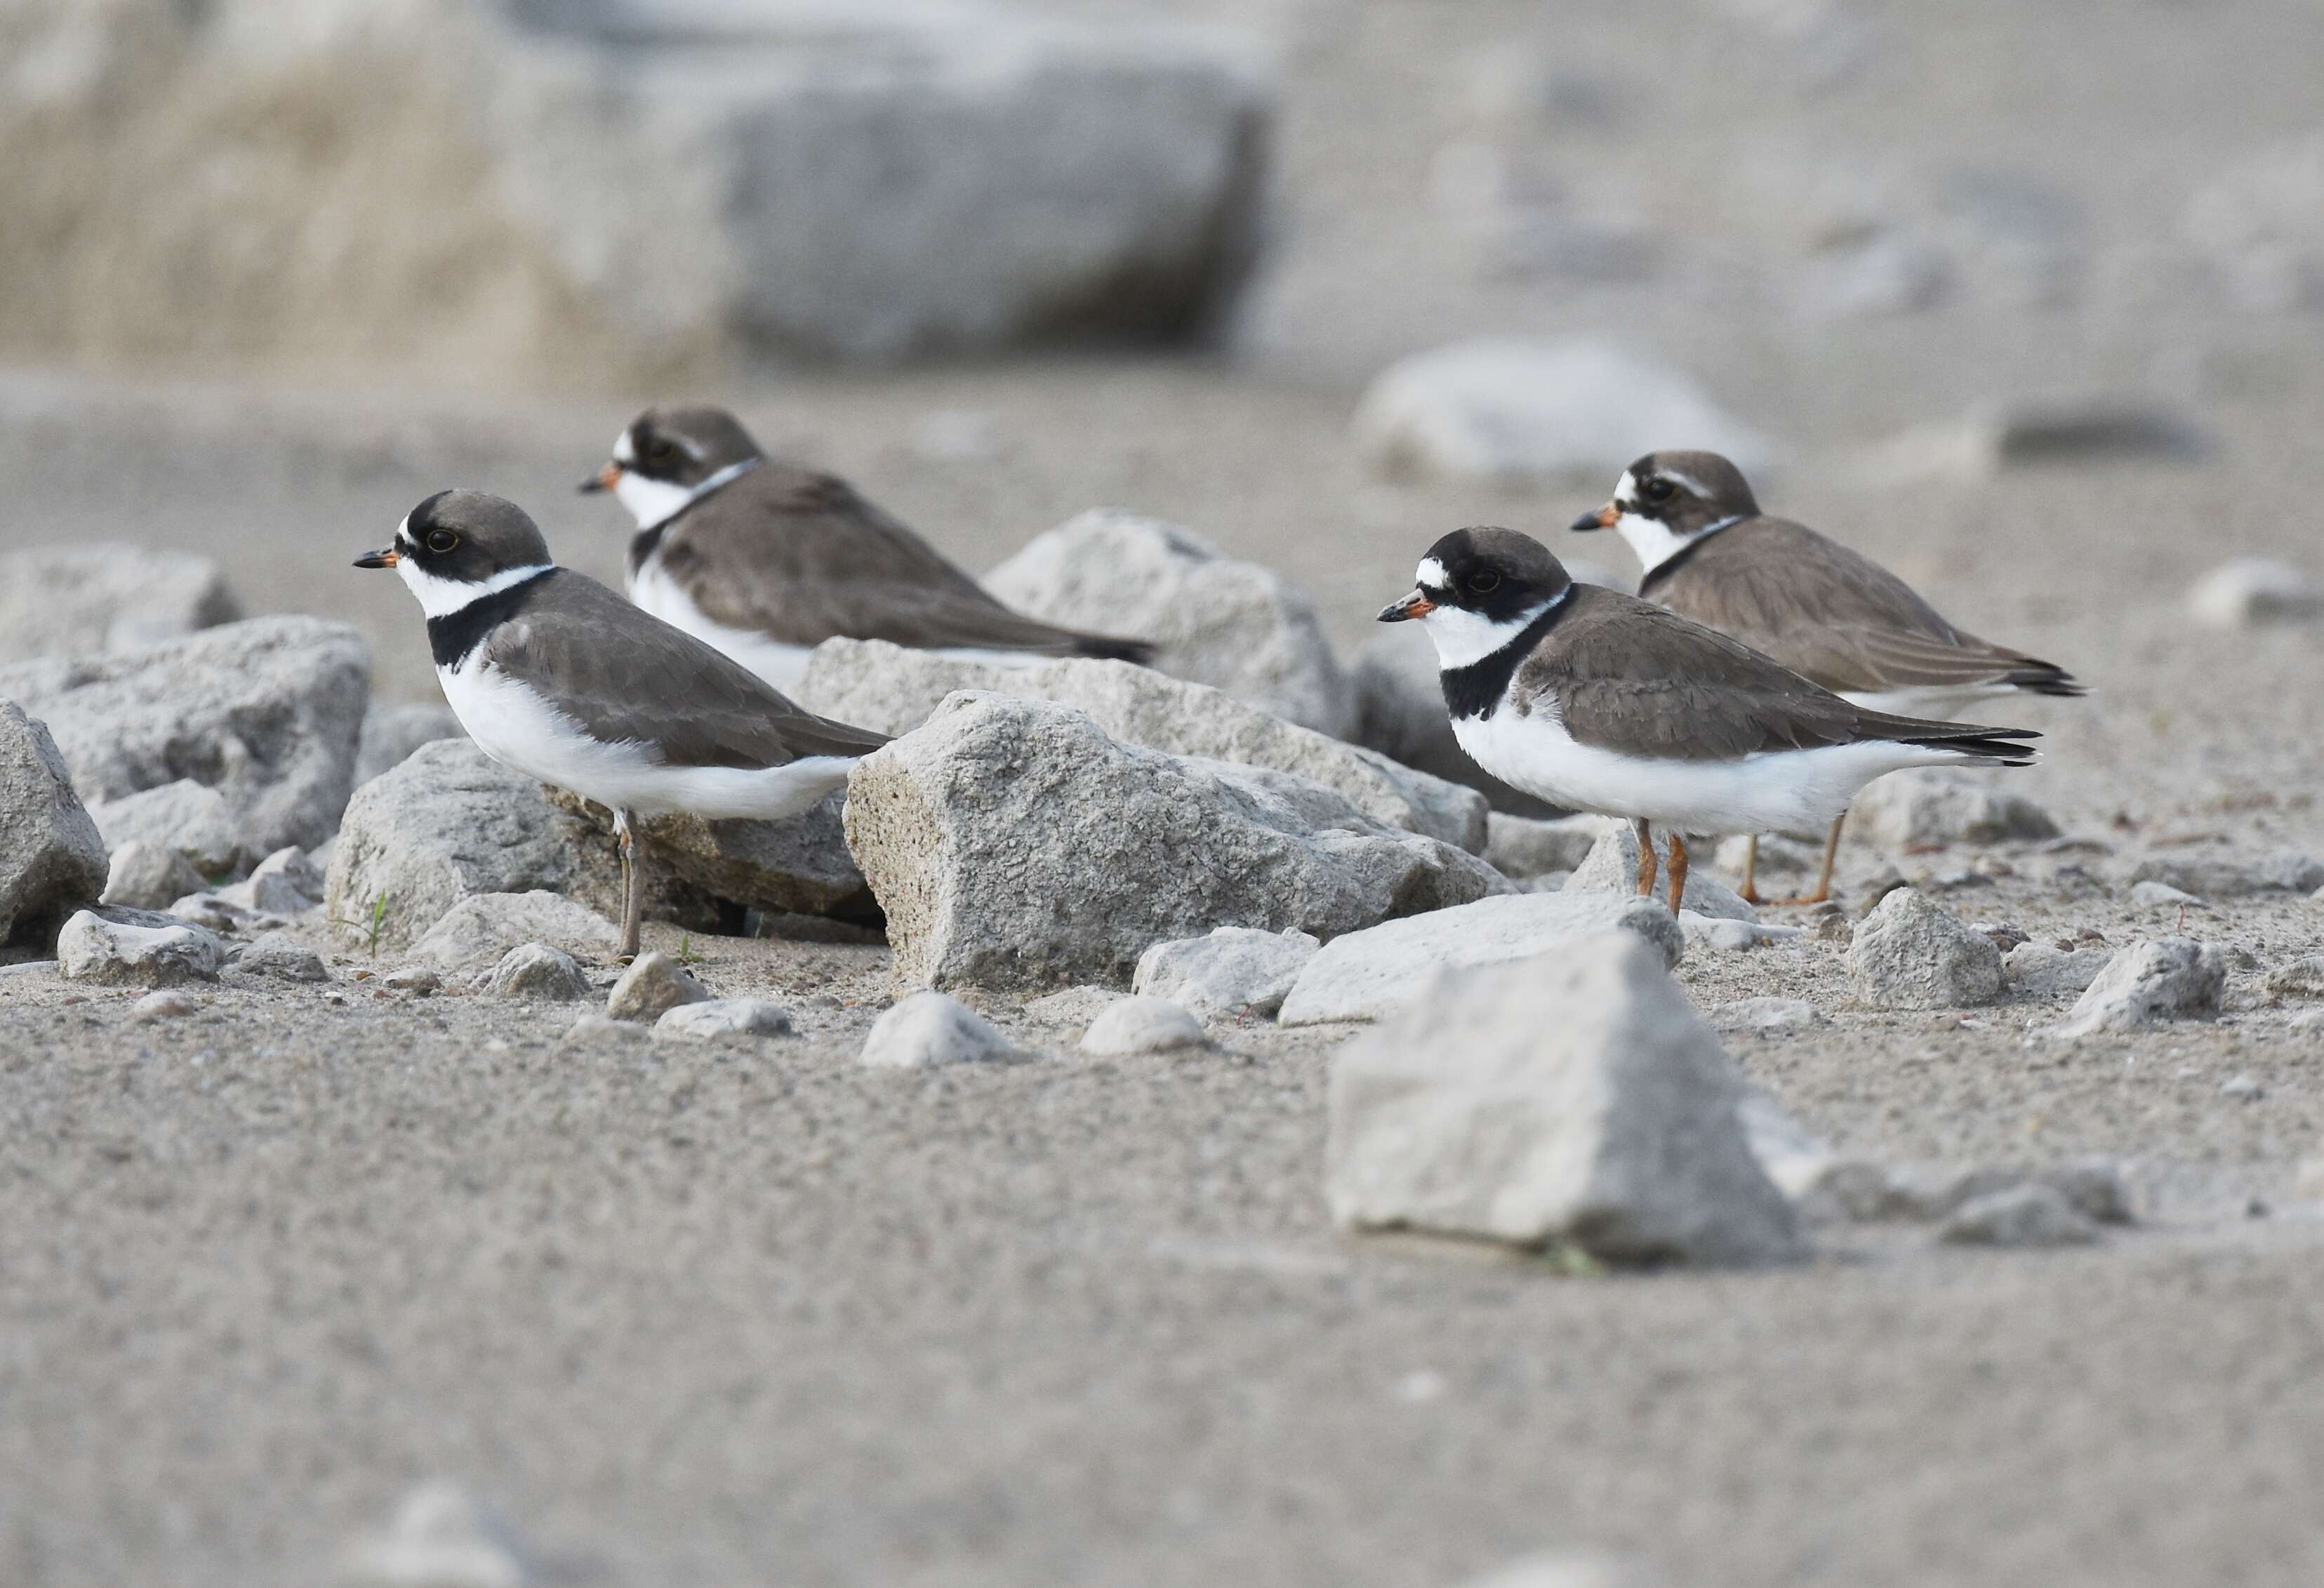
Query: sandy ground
(725, 1314)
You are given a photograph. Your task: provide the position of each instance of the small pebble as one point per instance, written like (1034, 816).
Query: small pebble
(2242, 1088)
(167, 1004)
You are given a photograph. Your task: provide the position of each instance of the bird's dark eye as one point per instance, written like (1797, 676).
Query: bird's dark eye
(658, 449)
(1484, 582)
(440, 541)
(1659, 490)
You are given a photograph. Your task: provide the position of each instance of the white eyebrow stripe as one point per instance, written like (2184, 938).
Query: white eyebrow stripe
(1689, 481)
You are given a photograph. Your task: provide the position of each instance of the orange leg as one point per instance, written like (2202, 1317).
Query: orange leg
(1749, 892)
(1646, 832)
(1822, 890)
(1677, 872)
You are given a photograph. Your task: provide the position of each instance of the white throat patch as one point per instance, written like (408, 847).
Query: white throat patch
(657, 502)
(1465, 637)
(443, 597)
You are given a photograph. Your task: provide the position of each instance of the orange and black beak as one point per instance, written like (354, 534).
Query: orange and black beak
(1603, 519)
(605, 479)
(1416, 605)
(386, 558)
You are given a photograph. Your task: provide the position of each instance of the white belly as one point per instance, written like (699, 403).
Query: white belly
(782, 666)
(516, 727)
(1779, 790)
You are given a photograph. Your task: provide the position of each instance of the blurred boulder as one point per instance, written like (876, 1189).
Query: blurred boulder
(93, 600)
(2260, 228)
(1520, 412)
(266, 712)
(1233, 625)
(52, 860)
(2246, 592)
(392, 732)
(490, 183)
(2037, 432)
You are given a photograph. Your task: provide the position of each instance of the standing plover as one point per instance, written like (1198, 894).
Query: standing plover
(1592, 700)
(766, 560)
(557, 676)
(1829, 613)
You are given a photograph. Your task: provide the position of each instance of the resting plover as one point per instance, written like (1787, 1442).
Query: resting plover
(557, 676)
(1596, 700)
(766, 560)
(1829, 613)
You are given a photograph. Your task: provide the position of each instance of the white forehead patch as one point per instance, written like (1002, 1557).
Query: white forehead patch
(403, 530)
(625, 449)
(1626, 490)
(1430, 575)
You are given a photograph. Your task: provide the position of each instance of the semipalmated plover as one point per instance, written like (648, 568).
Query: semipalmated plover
(1829, 613)
(1597, 701)
(766, 560)
(555, 675)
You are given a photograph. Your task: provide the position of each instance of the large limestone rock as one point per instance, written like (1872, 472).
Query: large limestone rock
(483, 929)
(1235, 626)
(1573, 1097)
(884, 687)
(131, 948)
(52, 860)
(2146, 984)
(868, 180)
(1013, 844)
(1514, 411)
(1937, 805)
(1227, 975)
(392, 732)
(451, 822)
(265, 711)
(1372, 974)
(186, 818)
(103, 599)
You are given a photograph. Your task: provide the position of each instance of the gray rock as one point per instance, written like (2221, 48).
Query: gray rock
(170, 1003)
(67, 601)
(723, 1017)
(1013, 844)
(1995, 439)
(876, 685)
(1526, 847)
(2043, 968)
(419, 980)
(2248, 592)
(652, 987)
(1399, 712)
(483, 927)
(2229, 873)
(799, 866)
(1891, 270)
(443, 1537)
(1566, 1568)
(1371, 975)
(265, 711)
(1938, 805)
(134, 949)
(1518, 412)
(1040, 176)
(930, 1029)
(1142, 1025)
(2242, 1089)
(451, 822)
(392, 732)
(277, 957)
(1764, 1016)
(2030, 1215)
(1225, 975)
(186, 816)
(2300, 978)
(51, 857)
(1573, 1098)
(1911, 953)
(285, 883)
(2153, 895)
(539, 971)
(2165, 978)
(145, 875)
(1611, 866)
(1233, 625)
(216, 913)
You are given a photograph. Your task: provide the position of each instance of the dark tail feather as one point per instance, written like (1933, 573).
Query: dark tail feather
(2002, 745)
(1106, 648)
(2044, 678)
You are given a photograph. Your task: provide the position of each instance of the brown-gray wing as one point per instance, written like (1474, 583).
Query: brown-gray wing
(802, 557)
(1638, 679)
(1834, 615)
(626, 676)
